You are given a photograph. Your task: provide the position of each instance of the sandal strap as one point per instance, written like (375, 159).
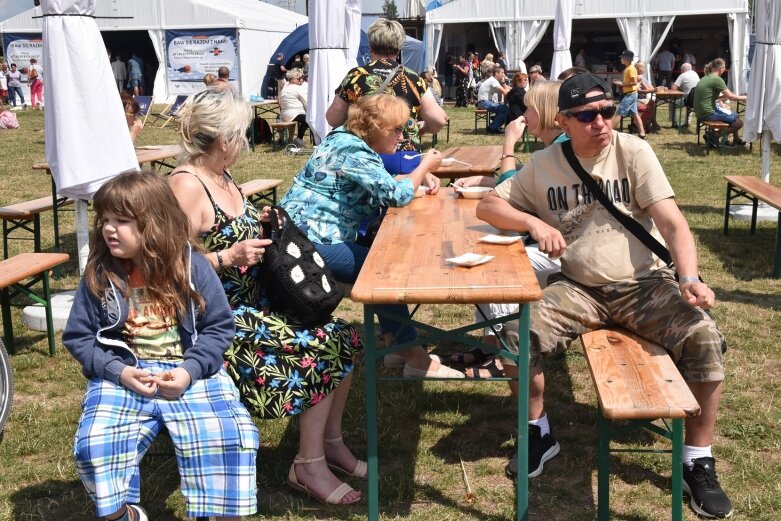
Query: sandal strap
(306, 461)
(335, 497)
(333, 440)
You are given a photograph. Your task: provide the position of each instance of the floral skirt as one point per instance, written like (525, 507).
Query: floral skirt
(282, 368)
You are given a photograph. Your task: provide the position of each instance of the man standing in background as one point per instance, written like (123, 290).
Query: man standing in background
(665, 61)
(119, 69)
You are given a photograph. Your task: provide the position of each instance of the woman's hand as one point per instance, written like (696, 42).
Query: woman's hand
(432, 159)
(172, 384)
(246, 253)
(138, 380)
(513, 131)
(433, 183)
(475, 180)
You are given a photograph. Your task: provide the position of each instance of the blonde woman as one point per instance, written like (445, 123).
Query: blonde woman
(280, 367)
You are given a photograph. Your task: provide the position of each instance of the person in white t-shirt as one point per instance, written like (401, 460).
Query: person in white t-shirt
(608, 276)
(293, 101)
(487, 99)
(665, 62)
(687, 80)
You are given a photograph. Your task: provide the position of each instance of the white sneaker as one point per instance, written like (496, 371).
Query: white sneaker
(138, 513)
(442, 371)
(394, 361)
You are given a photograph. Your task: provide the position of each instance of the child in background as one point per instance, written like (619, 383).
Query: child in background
(149, 325)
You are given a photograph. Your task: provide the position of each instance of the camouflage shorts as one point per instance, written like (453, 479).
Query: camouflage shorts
(651, 307)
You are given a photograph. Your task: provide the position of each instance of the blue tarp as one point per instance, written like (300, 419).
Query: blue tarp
(297, 42)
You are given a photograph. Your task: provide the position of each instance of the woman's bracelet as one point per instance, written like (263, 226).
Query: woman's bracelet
(220, 262)
(507, 155)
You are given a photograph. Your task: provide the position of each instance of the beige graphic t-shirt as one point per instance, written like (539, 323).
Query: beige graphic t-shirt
(599, 250)
(151, 331)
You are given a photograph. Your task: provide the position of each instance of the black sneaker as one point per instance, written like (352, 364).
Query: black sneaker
(702, 485)
(541, 449)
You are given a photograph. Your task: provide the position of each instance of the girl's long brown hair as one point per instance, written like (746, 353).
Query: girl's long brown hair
(164, 229)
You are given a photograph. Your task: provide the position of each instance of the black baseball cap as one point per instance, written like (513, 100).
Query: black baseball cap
(628, 54)
(573, 91)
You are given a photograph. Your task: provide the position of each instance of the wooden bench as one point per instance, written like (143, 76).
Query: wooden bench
(481, 115)
(26, 216)
(636, 380)
(712, 132)
(259, 191)
(755, 189)
(17, 275)
(282, 129)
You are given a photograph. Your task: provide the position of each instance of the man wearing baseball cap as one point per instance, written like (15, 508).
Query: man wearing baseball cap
(608, 276)
(628, 103)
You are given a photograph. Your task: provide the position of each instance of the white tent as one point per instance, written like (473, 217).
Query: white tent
(258, 28)
(517, 26)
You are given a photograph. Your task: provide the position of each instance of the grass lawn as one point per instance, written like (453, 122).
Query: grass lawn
(427, 430)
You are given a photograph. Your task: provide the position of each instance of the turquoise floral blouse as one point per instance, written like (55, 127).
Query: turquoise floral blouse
(340, 186)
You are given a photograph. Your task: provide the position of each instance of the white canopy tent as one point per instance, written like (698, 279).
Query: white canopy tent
(334, 37)
(763, 107)
(562, 36)
(259, 27)
(517, 26)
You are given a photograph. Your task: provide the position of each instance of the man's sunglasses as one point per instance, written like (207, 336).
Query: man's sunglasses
(587, 116)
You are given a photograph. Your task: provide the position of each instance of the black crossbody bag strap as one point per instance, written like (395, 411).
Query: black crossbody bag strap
(630, 224)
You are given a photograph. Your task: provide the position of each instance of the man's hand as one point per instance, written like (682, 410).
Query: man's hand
(172, 384)
(549, 239)
(698, 294)
(138, 380)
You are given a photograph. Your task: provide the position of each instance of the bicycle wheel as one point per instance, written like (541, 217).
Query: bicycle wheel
(6, 386)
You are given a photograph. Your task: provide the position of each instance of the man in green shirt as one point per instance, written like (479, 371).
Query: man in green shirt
(710, 88)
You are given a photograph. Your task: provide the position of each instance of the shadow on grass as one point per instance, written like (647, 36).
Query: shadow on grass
(744, 256)
(67, 499)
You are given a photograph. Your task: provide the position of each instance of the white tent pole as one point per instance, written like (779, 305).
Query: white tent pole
(82, 234)
(765, 153)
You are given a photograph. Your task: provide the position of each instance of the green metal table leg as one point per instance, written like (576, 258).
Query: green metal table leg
(370, 366)
(603, 468)
(8, 326)
(777, 262)
(522, 483)
(677, 477)
(47, 297)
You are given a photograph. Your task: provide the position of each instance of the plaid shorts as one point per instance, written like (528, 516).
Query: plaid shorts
(651, 307)
(213, 435)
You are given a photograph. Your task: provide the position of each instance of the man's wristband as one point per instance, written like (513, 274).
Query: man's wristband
(506, 155)
(681, 280)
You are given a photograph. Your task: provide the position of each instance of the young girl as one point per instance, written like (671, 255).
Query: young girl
(149, 325)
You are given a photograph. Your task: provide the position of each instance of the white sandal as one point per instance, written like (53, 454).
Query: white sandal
(361, 467)
(336, 495)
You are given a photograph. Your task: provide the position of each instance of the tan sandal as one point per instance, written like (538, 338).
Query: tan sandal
(361, 469)
(336, 495)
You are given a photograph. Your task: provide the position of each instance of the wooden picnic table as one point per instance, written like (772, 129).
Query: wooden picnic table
(472, 160)
(266, 109)
(415, 240)
(152, 154)
(670, 98)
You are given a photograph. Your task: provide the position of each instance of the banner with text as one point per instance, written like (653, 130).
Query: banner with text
(19, 48)
(191, 54)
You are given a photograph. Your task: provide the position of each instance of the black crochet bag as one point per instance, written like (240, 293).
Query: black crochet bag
(297, 279)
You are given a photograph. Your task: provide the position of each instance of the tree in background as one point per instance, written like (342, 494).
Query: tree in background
(389, 10)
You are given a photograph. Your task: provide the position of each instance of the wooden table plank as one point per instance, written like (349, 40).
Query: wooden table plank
(480, 160)
(769, 194)
(24, 265)
(424, 234)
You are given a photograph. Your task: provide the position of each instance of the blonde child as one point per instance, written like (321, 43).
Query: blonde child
(149, 326)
